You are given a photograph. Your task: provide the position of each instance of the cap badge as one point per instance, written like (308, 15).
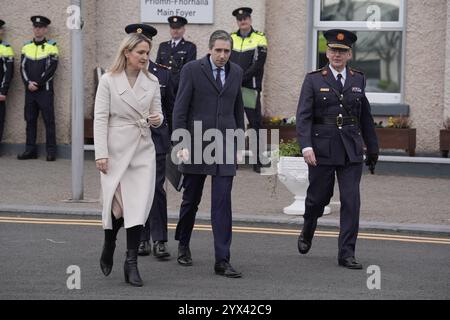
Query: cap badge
(139, 30)
(241, 11)
(175, 19)
(340, 36)
(38, 19)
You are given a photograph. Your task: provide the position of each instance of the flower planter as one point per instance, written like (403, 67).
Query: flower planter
(293, 173)
(444, 142)
(286, 133)
(396, 138)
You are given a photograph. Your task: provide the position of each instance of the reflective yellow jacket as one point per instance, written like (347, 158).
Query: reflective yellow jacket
(39, 62)
(250, 54)
(6, 67)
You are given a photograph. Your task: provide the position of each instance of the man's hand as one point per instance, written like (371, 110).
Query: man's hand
(240, 156)
(33, 86)
(371, 161)
(310, 158)
(102, 165)
(183, 155)
(2, 97)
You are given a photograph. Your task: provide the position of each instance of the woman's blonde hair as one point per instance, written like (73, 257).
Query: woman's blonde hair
(129, 43)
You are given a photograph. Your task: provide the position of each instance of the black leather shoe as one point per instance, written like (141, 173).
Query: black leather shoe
(130, 269)
(27, 155)
(51, 157)
(350, 263)
(225, 269)
(160, 250)
(106, 260)
(303, 244)
(184, 256)
(144, 248)
(257, 168)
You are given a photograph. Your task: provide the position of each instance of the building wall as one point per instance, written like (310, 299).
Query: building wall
(425, 69)
(18, 30)
(447, 67)
(286, 26)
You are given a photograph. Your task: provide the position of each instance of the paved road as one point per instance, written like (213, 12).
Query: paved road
(36, 251)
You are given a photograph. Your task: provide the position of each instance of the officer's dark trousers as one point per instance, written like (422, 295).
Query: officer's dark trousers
(254, 119)
(320, 191)
(220, 212)
(2, 118)
(40, 101)
(156, 224)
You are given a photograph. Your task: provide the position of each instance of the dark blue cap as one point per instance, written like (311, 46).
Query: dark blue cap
(145, 29)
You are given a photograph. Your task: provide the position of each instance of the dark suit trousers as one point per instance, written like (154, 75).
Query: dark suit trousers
(2, 118)
(35, 102)
(320, 191)
(156, 224)
(221, 215)
(254, 119)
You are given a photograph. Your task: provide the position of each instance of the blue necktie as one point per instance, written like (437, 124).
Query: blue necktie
(218, 79)
(339, 83)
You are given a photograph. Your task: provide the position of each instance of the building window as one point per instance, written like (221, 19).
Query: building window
(379, 50)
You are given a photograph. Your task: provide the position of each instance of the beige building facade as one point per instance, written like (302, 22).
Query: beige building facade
(421, 67)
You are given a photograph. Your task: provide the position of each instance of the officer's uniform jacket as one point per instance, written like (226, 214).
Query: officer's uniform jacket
(176, 58)
(333, 145)
(161, 135)
(39, 61)
(6, 67)
(250, 54)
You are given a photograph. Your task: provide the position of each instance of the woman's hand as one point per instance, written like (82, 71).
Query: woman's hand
(154, 119)
(102, 165)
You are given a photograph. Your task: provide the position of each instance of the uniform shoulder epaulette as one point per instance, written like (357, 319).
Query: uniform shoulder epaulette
(234, 33)
(260, 33)
(356, 71)
(318, 71)
(51, 41)
(162, 66)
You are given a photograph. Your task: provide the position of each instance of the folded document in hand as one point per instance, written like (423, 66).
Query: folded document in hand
(174, 176)
(249, 97)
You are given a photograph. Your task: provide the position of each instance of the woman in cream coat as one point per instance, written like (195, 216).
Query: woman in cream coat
(127, 103)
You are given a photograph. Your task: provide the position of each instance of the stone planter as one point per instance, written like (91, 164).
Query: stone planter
(395, 138)
(293, 173)
(444, 142)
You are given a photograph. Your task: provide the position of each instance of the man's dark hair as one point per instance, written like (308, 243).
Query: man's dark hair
(219, 35)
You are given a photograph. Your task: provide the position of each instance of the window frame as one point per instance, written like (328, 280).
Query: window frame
(317, 26)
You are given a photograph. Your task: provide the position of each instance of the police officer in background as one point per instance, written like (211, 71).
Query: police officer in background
(6, 74)
(333, 124)
(176, 52)
(250, 52)
(156, 224)
(38, 65)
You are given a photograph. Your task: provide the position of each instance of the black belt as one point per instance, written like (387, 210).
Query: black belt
(338, 121)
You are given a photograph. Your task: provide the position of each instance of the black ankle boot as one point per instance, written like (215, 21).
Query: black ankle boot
(130, 269)
(106, 260)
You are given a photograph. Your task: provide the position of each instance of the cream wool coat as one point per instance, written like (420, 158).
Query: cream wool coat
(122, 135)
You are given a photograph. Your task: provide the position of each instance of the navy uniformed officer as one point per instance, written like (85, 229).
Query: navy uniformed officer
(156, 224)
(6, 74)
(333, 124)
(176, 52)
(250, 52)
(39, 62)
